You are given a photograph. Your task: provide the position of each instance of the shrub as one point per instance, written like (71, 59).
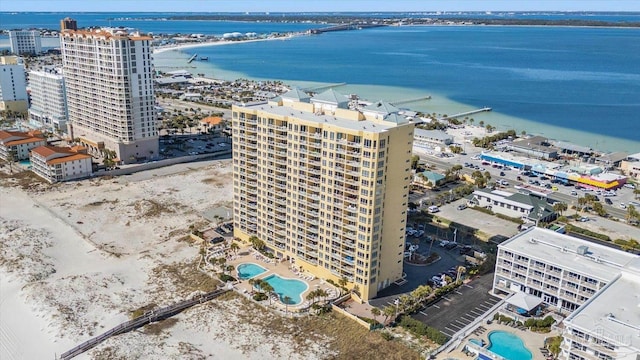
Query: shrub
(420, 329)
(578, 230)
(387, 336)
(260, 296)
(226, 278)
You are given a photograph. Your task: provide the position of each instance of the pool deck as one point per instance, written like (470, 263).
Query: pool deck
(285, 270)
(532, 341)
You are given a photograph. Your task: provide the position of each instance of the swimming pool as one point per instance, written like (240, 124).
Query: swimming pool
(249, 270)
(478, 342)
(25, 163)
(287, 287)
(508, 345)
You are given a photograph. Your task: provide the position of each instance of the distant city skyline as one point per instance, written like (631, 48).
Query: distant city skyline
(316, 6)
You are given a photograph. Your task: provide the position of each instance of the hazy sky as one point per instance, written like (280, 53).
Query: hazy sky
(316, 5)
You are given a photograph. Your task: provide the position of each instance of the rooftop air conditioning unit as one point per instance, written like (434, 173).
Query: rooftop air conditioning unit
(583, 250)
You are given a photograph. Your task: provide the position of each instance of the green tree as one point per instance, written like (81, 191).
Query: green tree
(415, 159)
(287, 301)
(234, 247)
(389, 311)
(375, 312)
(554, 345)
(560, 207)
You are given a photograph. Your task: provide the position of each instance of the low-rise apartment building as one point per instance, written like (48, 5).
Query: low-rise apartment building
(17, 144)
(56, 164)
(607, 326)
(563, 271)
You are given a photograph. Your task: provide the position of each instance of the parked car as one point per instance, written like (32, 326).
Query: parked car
(433, 209)
(462, 206)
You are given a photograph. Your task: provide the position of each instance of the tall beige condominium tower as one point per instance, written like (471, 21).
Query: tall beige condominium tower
(68, 24)
(324, 185)
(110, 99)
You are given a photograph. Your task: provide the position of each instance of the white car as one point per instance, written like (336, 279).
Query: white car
(222, 144)
(433, 209)
(630, 186)
(622, 205)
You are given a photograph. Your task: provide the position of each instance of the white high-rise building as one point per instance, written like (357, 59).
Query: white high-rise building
(13, 85)
(25, 42)
(109, 81)
(48, 98)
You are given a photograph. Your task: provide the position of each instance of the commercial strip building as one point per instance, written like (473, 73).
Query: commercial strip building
(25, 42)
(578, 173)
(519, 206)
(48, 99)
(324, 186)
(534, 146)
(13, 85)
(595, 285)
(17, 144)
(109, 81)
(56, 164)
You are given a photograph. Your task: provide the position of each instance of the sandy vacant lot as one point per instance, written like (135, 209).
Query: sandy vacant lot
(77, 258)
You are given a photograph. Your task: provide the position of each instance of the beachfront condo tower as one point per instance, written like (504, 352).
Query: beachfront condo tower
(13, 85)
(48, 99)
(25, 42)
(324, 185)
(110, 99)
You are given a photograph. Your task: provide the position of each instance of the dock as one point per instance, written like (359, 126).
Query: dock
(193, 57)
(407, 101)
(322, 87)
(454, 116)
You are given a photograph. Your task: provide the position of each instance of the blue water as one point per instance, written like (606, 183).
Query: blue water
(559, 78)
(477, 342)
(249, 270)
(508, 345)
(287, 287)
(144, 21)
(565, 83)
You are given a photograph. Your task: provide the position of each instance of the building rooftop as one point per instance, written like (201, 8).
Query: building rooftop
(433, 134)
(614, 312)
(600, 261)
(381, 107)
(321, 119)
(331, 97)
(565, 145)
(296, 94)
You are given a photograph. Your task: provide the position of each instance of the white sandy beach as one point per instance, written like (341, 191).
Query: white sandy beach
(76, 261)
(161, 49)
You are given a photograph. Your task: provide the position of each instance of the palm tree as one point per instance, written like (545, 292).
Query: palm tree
(286, 300)
(388, 312)
(234, 247)
(461, 270)
(559, 207)
(375, 312)
(311, 296)
(268, 289)
(636, 192)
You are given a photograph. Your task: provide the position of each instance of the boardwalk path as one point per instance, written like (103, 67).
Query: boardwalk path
(149, 317)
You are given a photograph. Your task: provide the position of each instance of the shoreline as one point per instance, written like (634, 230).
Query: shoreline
(180, 47)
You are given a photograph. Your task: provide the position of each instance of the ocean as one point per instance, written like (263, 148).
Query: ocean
(580, 84)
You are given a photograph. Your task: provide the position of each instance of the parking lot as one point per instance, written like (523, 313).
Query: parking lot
(461, 307)
(183, 145)
(419, 275)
